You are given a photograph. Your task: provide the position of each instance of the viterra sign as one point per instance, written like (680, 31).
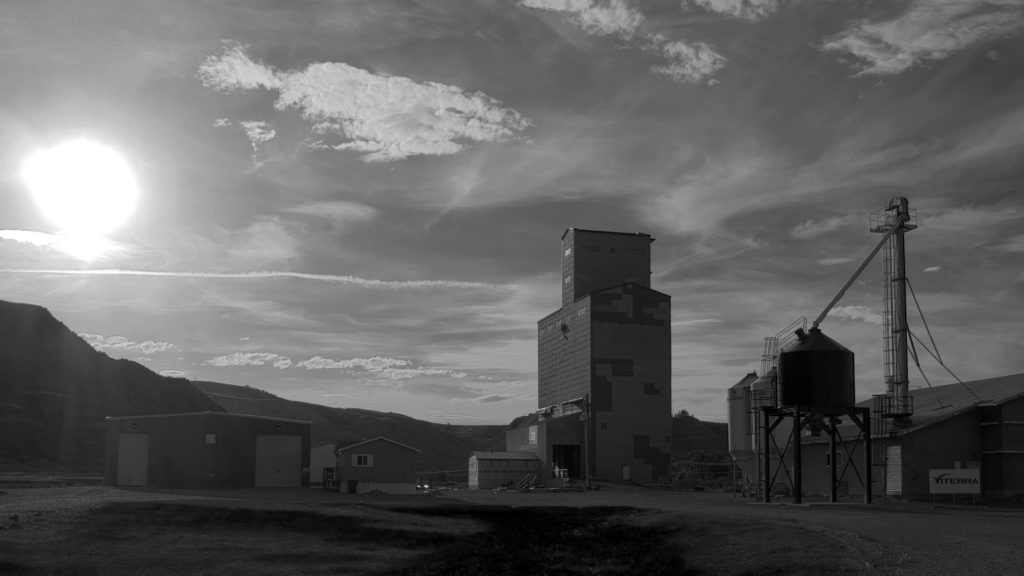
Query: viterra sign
(960, 481)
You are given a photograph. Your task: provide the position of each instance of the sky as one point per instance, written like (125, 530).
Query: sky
(360, 203)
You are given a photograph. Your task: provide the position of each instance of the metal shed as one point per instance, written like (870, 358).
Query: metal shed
(204, 450)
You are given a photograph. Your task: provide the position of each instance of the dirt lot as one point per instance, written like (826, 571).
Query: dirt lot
(48, 528)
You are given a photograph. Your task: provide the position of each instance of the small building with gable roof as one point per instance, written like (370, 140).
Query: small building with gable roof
(377, 464)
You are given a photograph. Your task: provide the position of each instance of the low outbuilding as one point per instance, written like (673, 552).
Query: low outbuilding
(496, 469)
(322, 458)
(378, 464)
(207, 450)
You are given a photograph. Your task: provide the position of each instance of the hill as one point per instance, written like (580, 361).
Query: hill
(57, 390)
(694, 439)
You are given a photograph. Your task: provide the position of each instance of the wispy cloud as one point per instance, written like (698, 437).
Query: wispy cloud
(374, 364)
(860, 313)
(927, 30)
(687, 62)
(172, 373)
(366, 282)
(751, 10)
(696, 322)
(407, 373)
(834, 261)
(339, 211)
(387, 117)
(387, 368)
(490, 398)
(815, 228)
(969, 217)
(87, 248)
(120, 343)
(932, 269)
(1014, 244)
(607, 18)
(258, 132)
(250, 359)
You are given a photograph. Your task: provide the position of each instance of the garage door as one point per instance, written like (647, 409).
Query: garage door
(278, 461)
(132, 459)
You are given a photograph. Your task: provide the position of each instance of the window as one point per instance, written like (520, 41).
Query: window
(568, 279)
(211, 438)
(365, 460)
(568, 251)
(533, 435)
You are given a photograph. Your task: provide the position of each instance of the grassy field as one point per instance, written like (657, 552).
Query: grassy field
(179, 538)
(55, 529)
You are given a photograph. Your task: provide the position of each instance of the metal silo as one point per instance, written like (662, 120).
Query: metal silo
(815, 370)
(740, 446)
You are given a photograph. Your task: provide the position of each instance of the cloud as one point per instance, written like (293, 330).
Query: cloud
(932, 269)
(104, 343)
(833, 261)
(812, 228)
(968, 218)
(928, 30)
(696, 322)
(607, 18)
(365, 282)
(338, 211)
(494, 398)
(222, 122)
(751, 10)
(861, 313)
(407, 373)
(84, 247)
(687, 63)
(1014, 244)
(258, 133)
(374, 364)
(172, 373)
(387, 117)
(250, 359)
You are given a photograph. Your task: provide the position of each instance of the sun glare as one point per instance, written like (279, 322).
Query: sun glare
(83, 187)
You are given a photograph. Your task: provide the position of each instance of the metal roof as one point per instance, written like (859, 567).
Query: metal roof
(505, 456)
(745, 381)
(939, 403)
(640, 234)
(350, 446)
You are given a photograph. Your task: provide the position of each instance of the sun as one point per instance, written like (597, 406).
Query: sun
(83, 187)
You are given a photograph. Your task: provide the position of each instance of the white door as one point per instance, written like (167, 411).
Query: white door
(894, 470)
(132, 459)
(278, 461)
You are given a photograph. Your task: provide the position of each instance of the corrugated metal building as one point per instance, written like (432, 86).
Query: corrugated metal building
(377, 464)
(979, 424)
(321, 457)
(495, 469)
(204, 450)
(604, 365)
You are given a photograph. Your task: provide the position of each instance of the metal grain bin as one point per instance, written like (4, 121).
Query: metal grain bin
(815, 370)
